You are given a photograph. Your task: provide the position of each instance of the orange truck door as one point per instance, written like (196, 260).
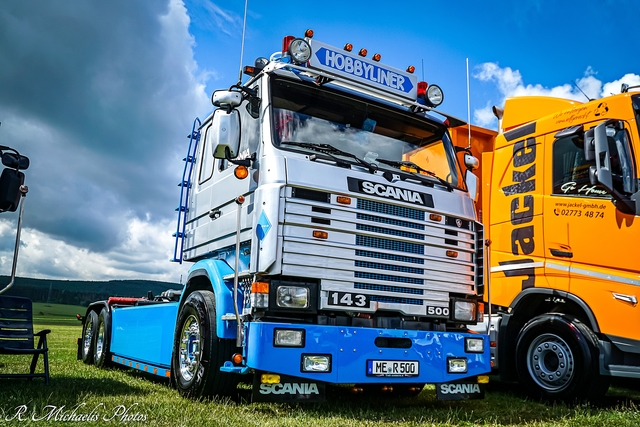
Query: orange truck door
(600, 242)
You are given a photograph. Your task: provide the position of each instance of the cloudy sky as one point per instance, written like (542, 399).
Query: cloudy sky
(101, 94)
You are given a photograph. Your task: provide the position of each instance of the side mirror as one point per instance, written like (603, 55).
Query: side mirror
(10, 182)
(227, 99)
(603, 161)
(225, 134)
(589, 146)
(471, 162)
(15, 161)
(472, 184)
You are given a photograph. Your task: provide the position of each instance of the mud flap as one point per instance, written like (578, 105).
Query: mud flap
(460, 390)
(289, 389)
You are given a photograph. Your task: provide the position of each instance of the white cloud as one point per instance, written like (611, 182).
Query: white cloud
(511, 84)
(102, 107)
(144, 253)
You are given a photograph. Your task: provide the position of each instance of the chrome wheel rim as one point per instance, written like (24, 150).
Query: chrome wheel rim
(550, 362)
(99, 340)
(86, 343)
(190, 353)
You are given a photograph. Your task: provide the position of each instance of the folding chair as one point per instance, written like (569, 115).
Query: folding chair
(17, 337)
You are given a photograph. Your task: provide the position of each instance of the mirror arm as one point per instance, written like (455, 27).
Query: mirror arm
(246, 92)
(244, 162)
(624, 204)
(23, 190)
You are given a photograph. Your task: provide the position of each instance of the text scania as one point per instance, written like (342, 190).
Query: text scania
(522, 204)
(362, 69)
(459, 388)
(388, 191)
(289, 388)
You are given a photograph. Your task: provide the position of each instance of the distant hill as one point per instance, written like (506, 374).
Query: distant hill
(80, 292)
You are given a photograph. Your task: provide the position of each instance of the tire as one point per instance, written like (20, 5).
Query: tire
(88, 337)
(101, 356)
(557, 359)
(198, 353)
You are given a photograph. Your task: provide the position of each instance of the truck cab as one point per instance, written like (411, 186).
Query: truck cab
(332, 236)
(561, 213)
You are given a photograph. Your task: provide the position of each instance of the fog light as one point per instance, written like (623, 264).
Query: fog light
(474, 345)
(464, 311)
(456, 365)
(270, 379)
(299, 50)
(292, 297)
(288, 338)
(311, 363)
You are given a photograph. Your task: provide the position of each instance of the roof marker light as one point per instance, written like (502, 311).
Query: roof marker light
(308, 33)
(286, 41)
(411, 69)
(348, 47)
(376, 57)
(422, 88)
(363, 52)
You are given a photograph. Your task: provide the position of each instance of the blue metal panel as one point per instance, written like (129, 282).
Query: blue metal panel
(215, 270)
(144, 333)
(350, 348)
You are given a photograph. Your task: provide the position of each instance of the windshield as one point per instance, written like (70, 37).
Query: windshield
(308, 114)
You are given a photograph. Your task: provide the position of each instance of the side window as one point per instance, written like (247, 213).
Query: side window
(571, 170)
(206, 163)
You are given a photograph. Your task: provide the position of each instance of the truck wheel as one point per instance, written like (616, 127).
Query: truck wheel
(88, 336)
(557, 359)
(102, 339)
(198, 353)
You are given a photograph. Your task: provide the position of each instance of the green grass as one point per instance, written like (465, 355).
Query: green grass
(57, 314)
(111, 390)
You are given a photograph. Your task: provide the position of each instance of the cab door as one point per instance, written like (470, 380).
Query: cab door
(600, 240)
(212, 220)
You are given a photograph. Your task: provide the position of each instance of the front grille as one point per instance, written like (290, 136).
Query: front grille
(391, 253)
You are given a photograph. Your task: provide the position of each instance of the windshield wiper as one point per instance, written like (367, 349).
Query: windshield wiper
(407, 164)
(330, 150)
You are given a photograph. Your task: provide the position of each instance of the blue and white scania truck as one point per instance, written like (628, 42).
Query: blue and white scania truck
(332, 234)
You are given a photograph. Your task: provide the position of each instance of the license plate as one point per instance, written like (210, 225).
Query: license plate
(348, 299)
(393, 368)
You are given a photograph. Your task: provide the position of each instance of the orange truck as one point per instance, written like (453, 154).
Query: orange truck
(559, 202)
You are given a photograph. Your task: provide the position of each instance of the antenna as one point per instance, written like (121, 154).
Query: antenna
(585, 95)
(244, 28)
(468, 106)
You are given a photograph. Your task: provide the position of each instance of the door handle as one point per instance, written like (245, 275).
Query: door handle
(561, 253)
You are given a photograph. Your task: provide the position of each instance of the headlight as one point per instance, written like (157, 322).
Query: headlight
(435, 95)
(292, 297)
(288, 338)
(456, 365)
(474, 345)
(464, 311)
(299, 50)
(316, 363)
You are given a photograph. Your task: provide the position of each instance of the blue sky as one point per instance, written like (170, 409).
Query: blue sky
(550, 43)
(100, 96)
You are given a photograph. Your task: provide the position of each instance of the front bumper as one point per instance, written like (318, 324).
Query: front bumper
(351, 348)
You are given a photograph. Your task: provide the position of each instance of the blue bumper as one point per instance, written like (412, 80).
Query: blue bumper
(352, 348)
